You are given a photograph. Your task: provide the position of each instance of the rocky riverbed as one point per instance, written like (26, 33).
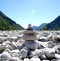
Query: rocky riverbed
(14, 48)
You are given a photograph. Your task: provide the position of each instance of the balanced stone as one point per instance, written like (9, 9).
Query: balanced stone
(29, 37)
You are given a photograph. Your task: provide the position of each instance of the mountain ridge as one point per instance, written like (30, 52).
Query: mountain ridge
(54, 25)
(8, 24)
(39, 27)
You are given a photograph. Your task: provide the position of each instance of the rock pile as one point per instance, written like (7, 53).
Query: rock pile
(30, 38)
(27, 45)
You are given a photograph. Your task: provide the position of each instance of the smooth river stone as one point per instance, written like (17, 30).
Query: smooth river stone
(29, 37)
(31, 45)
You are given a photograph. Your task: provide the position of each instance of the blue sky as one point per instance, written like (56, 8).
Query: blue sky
(35, 12)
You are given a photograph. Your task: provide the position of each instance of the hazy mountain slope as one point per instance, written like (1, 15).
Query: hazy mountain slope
(54, 25)
(39, 27)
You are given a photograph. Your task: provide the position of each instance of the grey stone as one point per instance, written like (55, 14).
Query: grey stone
(23, 53)
(29, 37)
(31, 45)
(50, 56)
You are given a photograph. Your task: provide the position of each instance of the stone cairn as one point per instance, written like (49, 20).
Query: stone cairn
(30, 38)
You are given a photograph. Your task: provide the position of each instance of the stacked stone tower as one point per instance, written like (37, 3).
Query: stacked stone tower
(30, 38)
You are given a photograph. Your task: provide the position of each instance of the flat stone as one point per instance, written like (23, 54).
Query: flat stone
(29, 37)
(29, 32)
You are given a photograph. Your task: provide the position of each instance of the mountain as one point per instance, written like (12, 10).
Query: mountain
(8, 24)
(54, 25)
(39, 27)
(35, 27)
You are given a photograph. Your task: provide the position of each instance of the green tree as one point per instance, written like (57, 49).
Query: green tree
(44, 28)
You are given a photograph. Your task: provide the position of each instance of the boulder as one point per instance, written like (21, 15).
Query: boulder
(42, 56)
(31, 45)
(43, 39)
(45, 60)
(41, 46)
(5, 56)
(38, 53)
(57, 50)
(6, 43)
(14, 59)
(56, 38)
(51, 44)
(2, 39)
(23, 53)
(50, 56)
(15, 53)
(12, 38)
(19, 45)
(35, 59)
(9, 47)
(2, 48)
(57, 56)
(26, 59)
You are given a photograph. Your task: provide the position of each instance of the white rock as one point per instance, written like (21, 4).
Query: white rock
(45, 60)
(57, 49)
(38, 53)
(49, 50)
(57, 56)
(19, 45)
(45, 44)
(5, 56)
(57, 60)
(12, 38)
(23, 53)
(2, 39)
(9, 47)
(15, 53)
(13, 44)
(56, 38)
(26, 59)
(6, 43)
(43, 39)
(14, 59)
(51, 44)
(34, 59)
